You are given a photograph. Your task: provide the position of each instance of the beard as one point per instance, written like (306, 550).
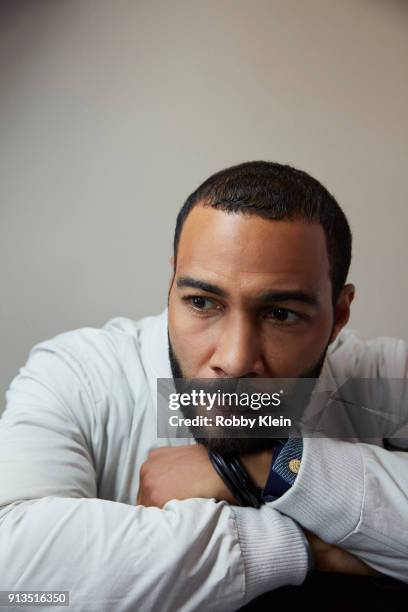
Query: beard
(233, 445)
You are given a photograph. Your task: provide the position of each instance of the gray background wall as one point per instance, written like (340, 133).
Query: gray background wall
(112, 112)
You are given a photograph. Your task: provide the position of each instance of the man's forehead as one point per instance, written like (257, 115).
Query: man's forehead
(251, 249)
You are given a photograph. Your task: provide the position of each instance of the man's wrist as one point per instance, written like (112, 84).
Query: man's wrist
(235, 476)
(258, 465)
(310, 555)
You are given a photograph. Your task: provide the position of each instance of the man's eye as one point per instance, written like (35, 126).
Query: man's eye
(282, 315)
(201, 303)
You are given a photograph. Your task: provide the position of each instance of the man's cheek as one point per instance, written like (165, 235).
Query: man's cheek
(193, 357)
(190, 360)
(289, 358)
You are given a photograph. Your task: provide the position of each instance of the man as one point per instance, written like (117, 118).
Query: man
(92, 502)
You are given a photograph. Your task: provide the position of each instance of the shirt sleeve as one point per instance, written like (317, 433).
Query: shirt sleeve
(195, 554)
(355, 494)
(287, 457)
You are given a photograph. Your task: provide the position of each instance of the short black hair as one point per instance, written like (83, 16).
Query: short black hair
(277, 192)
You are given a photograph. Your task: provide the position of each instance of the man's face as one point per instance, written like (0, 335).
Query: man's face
(250, 297)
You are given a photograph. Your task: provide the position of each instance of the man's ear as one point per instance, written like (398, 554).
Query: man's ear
(342, 309)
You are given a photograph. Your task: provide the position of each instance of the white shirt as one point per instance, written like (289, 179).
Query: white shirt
(79, 422)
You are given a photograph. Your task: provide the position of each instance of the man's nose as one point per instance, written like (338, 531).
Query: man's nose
(238, 351)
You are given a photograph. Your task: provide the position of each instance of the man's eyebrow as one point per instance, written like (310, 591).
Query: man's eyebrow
(195, 283)
(296, 295)
(266, 297)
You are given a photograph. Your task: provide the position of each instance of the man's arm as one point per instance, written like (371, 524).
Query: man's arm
(185, 472)
(56, 534)
(355, 496)
(351, 495)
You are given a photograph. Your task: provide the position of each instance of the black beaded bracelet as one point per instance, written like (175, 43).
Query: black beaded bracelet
(223, 472)
(237, 479)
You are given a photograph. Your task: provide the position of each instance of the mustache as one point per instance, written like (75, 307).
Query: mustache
(223, 443)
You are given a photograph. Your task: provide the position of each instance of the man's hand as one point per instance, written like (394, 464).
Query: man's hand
(179, 472)
(329, 558)
(182, 472)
